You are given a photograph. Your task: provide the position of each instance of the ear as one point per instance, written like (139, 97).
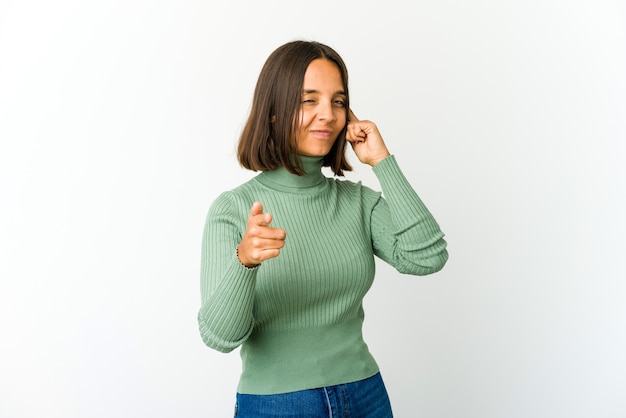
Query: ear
(273, 119)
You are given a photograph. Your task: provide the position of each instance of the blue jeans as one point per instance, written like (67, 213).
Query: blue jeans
(363, 399)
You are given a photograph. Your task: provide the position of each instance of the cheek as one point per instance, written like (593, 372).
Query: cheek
(341, 119)
(305, 119)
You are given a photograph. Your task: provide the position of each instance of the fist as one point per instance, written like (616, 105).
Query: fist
(366, 141)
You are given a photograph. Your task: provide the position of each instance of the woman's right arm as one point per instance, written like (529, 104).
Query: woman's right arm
(227, 286)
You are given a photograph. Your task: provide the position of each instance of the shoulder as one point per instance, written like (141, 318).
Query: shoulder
(235, 201)
(356, 190)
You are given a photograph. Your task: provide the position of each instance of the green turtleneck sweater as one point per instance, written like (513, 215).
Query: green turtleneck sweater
(298, 317)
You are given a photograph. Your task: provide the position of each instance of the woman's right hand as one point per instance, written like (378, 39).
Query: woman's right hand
(260, 242)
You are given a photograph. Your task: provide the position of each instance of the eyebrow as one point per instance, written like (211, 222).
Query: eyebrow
(304, 91)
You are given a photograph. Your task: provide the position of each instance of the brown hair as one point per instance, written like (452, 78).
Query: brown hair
(269, 137)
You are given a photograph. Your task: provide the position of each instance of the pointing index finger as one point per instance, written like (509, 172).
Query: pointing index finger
(256, 209)
(351, 116)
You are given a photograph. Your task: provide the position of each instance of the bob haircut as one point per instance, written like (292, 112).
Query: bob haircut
(269, 138)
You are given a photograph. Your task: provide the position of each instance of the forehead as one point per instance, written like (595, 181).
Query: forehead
(322, 73)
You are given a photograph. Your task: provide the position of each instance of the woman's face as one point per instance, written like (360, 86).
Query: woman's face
(322, 108)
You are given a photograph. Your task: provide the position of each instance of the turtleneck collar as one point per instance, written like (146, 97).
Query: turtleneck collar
(284, 181)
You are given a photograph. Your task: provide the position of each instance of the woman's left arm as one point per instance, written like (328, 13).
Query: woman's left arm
(404, 232)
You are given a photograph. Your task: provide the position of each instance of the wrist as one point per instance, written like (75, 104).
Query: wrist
(375, 161)
(249, 266)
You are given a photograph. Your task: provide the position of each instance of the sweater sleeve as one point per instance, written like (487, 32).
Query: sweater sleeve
(404, 233)
(227, 287)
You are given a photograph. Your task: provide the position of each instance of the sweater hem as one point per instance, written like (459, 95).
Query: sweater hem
(305, 358)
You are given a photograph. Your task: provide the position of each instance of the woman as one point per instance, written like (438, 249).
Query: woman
(288, 256)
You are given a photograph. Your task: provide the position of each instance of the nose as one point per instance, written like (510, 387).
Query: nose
(326, 112)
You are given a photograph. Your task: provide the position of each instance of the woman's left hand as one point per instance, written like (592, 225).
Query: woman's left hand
(366, 141)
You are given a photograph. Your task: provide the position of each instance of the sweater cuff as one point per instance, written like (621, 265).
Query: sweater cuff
(227, 321)
(388, 168)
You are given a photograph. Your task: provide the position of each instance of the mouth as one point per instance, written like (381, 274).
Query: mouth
(321, 133)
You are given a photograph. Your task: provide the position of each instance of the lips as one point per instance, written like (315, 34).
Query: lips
(321, 133)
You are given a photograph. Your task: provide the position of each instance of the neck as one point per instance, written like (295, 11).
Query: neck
(282, 180)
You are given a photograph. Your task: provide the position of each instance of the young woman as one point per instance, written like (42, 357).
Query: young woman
(288, 256)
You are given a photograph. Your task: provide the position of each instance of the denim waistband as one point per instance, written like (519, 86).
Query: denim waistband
(365, 398)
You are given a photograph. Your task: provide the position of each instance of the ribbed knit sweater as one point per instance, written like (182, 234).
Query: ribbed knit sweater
(298, 317)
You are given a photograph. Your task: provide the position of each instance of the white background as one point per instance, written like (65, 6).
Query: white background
(118, 125)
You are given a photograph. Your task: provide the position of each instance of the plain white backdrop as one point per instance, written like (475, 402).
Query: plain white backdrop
(118, 126)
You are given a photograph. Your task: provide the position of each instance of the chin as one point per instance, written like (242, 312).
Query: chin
(322, 153)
